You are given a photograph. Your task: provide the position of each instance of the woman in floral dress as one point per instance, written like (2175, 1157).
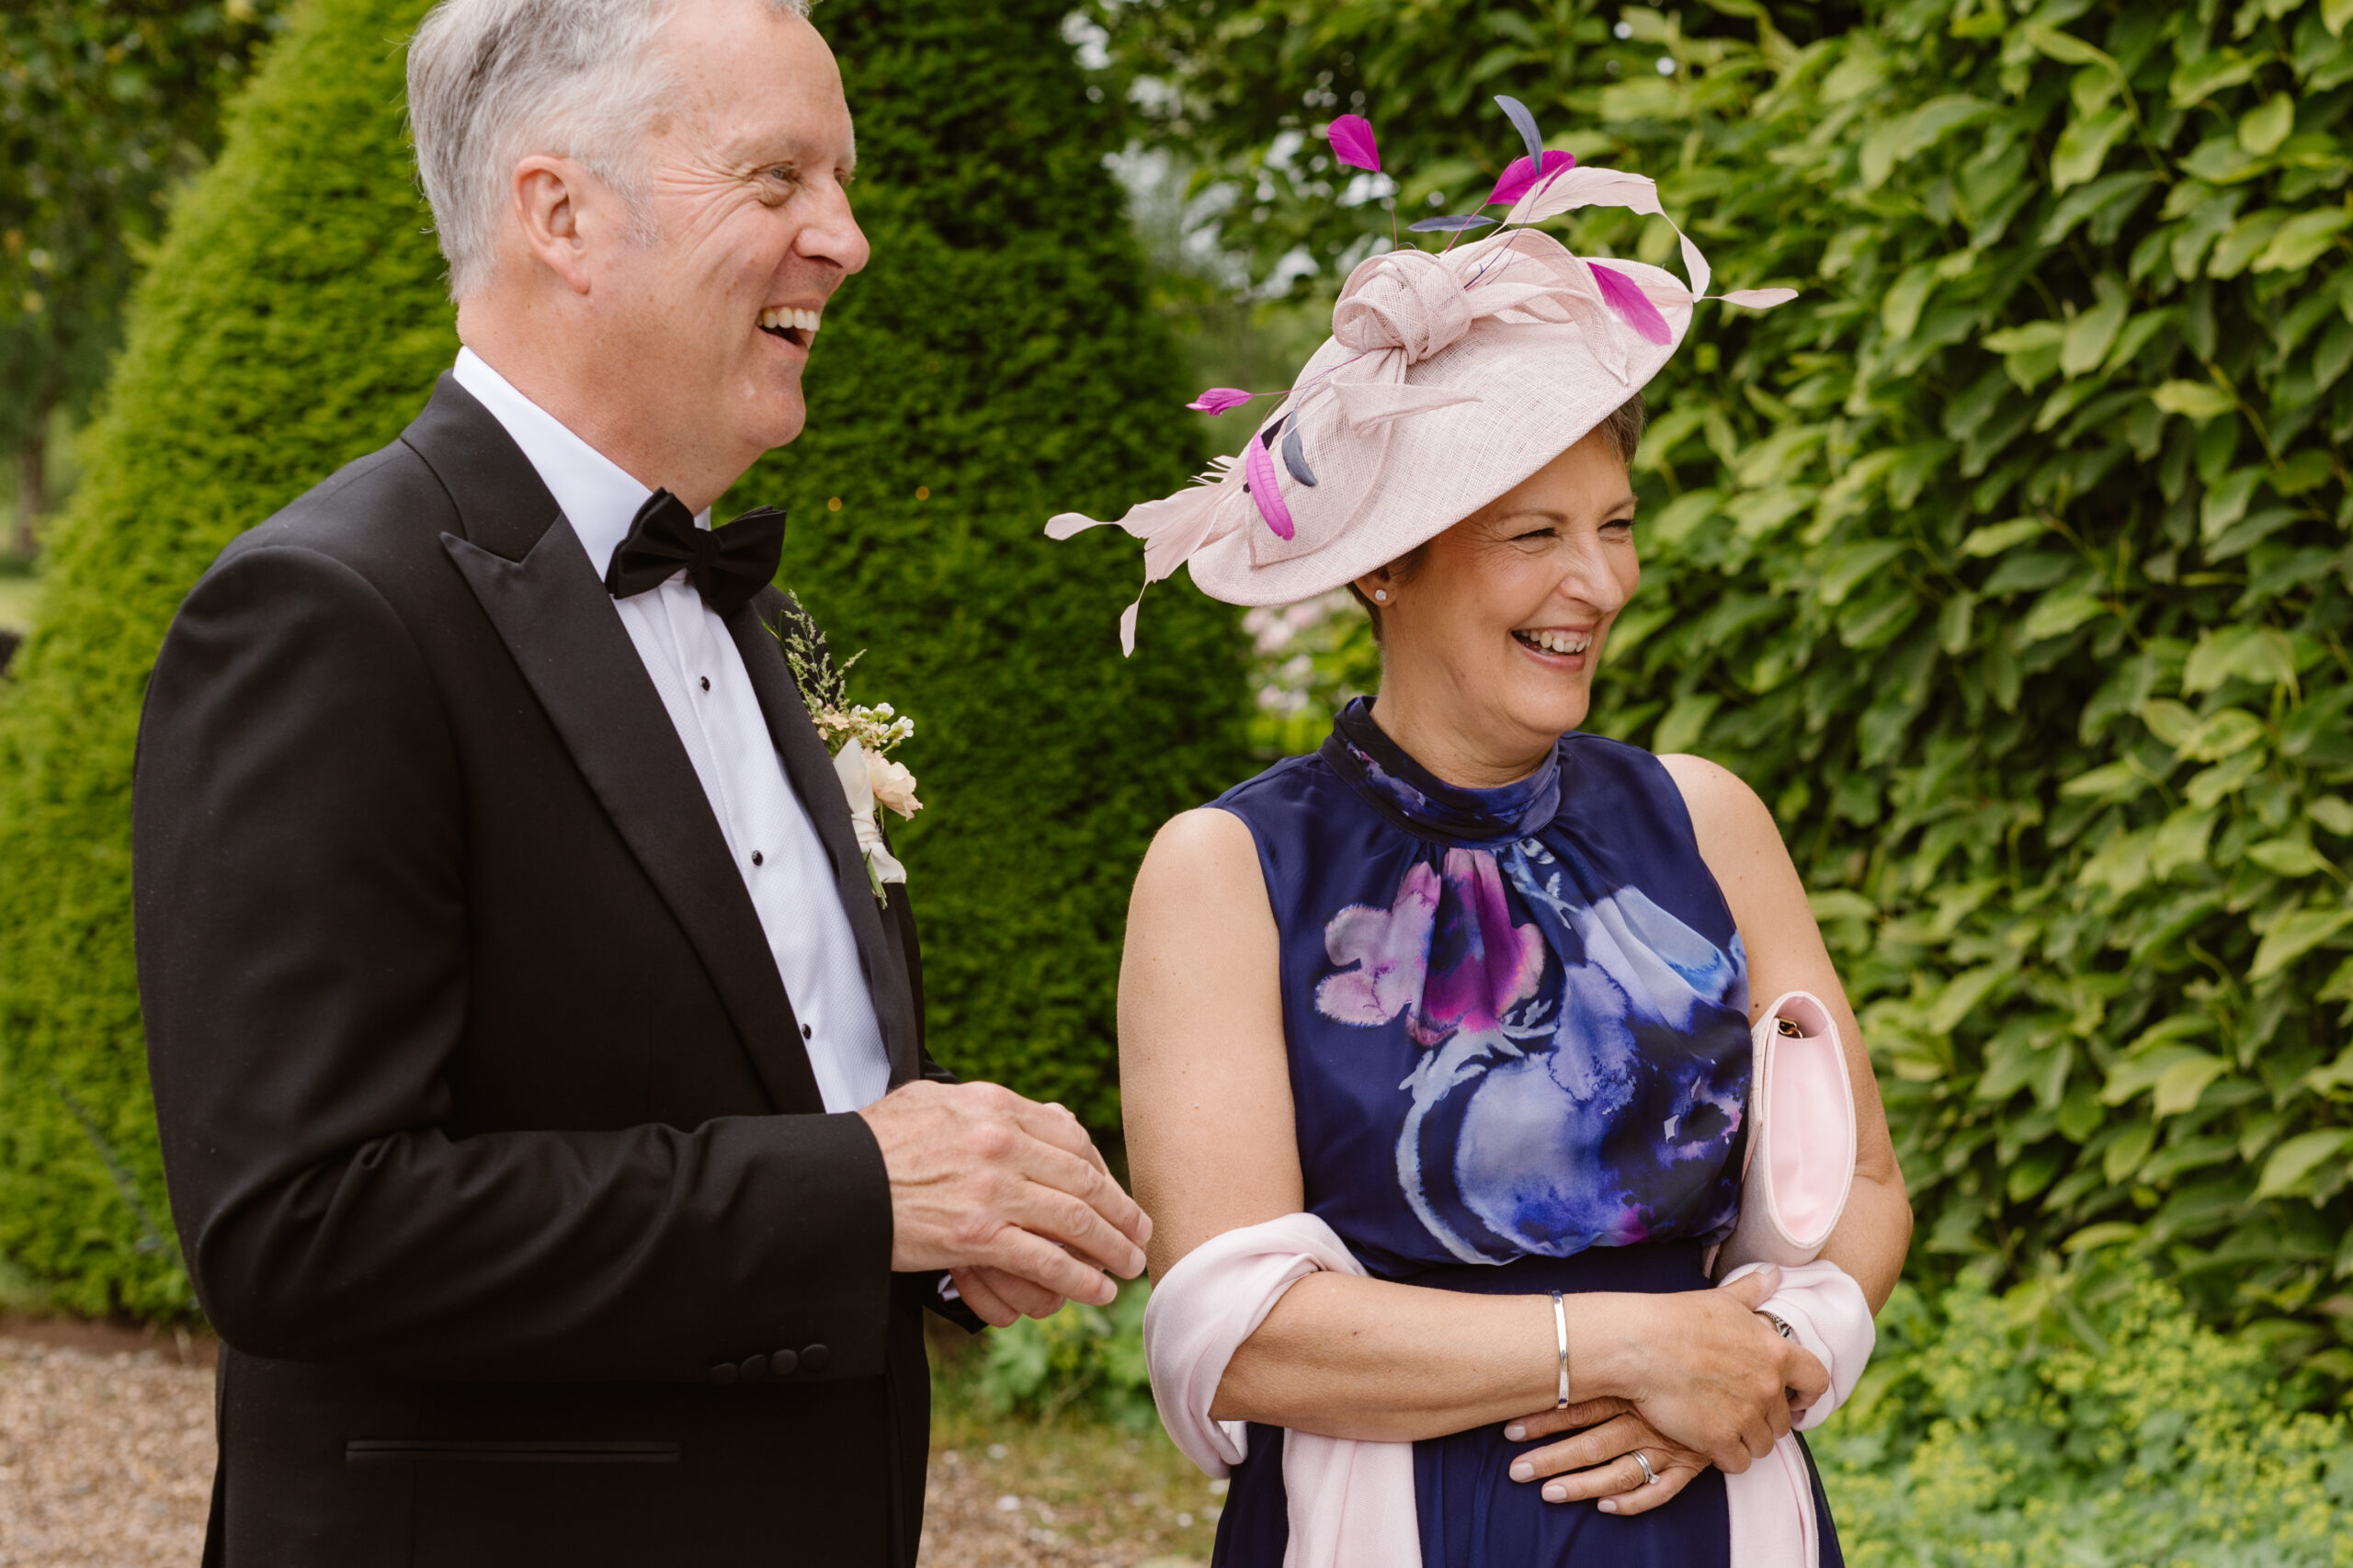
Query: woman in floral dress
(1470, 987)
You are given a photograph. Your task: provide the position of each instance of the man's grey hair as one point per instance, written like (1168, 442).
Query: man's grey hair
(494, 81)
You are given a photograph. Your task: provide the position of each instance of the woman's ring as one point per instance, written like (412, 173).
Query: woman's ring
(1649, 1476)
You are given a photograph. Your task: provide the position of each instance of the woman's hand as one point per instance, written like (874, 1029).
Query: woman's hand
(1599, 1462)
(1708, 1373)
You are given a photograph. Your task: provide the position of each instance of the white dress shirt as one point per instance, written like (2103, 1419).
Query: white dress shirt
(697, 670)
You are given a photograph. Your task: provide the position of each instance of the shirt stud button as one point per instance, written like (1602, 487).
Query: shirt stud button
(806, 1032)
(758, 858)
(706, 683)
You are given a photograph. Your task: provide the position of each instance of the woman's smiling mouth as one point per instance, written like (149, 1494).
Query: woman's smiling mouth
(1556, 641)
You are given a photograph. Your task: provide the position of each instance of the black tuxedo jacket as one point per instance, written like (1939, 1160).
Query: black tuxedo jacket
(493, 1145)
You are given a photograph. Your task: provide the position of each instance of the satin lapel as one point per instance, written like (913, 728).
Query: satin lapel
(810, 771)
(558, 624)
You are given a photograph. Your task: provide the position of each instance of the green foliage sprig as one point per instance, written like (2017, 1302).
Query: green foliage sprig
(2009, 564)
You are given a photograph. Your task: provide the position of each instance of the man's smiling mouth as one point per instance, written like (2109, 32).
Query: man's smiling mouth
(795, 326)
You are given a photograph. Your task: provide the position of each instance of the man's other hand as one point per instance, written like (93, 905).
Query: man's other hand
(981, 1179)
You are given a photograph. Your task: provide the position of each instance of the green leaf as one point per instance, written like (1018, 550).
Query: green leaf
(2287, 857)
(1911, 134)
(2295, 936)
(1838, 903)
(1901, 311)
(2107, 1233)
(2090, 334)
(2201, 401)
(2245, 241)
(2223, 734)
(2335, 14)
(2084, 147)
(1684, 723)
(1995, 538)
(2056, 614)
(2169, 722)
(2111, 781)
(1853, 565)
(2194, 80)
(2226, 503)
(2180, 1085)
(2218, 783)
(2180, 841)
(1961, 996)
(2333, 812)
(2302, 239)
(2293, 1162)
(2259, 653)
(2261, 130)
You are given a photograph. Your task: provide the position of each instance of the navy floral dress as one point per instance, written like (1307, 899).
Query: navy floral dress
(1517, 1024)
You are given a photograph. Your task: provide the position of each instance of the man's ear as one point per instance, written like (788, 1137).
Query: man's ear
(550, 194)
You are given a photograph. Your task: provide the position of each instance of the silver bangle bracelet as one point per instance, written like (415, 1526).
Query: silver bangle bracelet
(1561, 1336)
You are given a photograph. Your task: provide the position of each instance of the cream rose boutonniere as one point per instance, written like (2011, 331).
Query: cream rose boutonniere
(861, 739)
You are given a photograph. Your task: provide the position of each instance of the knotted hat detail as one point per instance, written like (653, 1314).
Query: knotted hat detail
(1406, 300)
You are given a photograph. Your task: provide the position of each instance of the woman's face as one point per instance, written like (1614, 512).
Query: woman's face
(1503, 623)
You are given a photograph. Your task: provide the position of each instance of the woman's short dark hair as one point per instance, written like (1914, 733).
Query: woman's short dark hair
(1622, 430)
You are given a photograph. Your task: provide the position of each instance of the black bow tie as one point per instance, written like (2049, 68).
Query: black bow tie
(726, 565)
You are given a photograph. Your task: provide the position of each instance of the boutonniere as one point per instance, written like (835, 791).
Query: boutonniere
(861, 739)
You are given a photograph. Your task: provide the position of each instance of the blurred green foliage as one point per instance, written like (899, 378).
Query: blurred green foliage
(2102, 1425)
(106, 108)
(1084, 1359)
(2009, 564)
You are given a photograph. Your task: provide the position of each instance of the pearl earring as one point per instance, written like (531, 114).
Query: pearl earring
(1381, 594)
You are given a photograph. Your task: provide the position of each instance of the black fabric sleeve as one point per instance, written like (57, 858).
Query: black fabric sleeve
(299, 871)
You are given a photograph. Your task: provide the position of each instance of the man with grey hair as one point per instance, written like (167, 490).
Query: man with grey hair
(542, 1086)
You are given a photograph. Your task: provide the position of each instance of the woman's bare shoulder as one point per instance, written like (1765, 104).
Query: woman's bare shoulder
(1201, 853)
(1725, 811)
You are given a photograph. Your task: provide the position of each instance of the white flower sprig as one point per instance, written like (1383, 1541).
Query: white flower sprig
(860, 738)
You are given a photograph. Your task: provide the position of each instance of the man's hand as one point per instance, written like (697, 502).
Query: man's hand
(985, 1181)
(1000, 1299)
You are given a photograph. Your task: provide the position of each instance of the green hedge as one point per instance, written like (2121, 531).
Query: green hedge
(2009, 564)
(2102, 1425)
(996, 352)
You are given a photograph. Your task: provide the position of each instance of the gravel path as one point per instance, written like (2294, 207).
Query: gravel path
(106, 1461)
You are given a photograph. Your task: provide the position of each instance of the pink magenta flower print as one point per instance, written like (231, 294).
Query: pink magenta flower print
(1391, 948)
(1445, 952)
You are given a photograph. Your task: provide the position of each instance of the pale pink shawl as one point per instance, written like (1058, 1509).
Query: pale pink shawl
(1352, 1502)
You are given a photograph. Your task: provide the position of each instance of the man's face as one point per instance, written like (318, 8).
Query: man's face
(745, 169)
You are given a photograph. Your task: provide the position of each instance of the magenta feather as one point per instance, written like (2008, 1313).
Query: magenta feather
(1522, 176)
(1352, 144)
(1259, 470)
(1625, 296)
(1217, 400)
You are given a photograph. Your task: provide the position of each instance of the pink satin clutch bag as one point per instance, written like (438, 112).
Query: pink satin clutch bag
(1801, 1158)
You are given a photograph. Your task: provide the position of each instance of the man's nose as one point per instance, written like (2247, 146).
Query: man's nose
(834, 236)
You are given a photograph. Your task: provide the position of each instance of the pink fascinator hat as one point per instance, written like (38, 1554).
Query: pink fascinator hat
(1450, 378)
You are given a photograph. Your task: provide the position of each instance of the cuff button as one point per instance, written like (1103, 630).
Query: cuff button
(754, 1367)
(815, 1358)
(784, 1363)
(722, 1374)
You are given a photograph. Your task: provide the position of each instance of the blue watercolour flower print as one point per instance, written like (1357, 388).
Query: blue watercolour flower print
(1582, 1063)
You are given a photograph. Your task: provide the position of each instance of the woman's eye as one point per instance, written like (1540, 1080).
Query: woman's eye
(1536, 536)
